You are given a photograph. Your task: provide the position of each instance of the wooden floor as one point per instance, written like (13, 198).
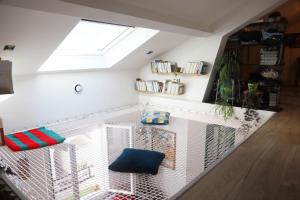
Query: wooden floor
(265, 167)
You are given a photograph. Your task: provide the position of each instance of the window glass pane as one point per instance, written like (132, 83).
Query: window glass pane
(89, 38)
(96, 45)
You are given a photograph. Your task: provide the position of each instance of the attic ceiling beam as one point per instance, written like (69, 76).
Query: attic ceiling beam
(81, 11)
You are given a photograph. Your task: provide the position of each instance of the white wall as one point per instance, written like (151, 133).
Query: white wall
(196, 49)
(50, 97)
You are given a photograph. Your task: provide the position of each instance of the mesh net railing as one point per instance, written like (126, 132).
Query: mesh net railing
(63, 171)
(78, 168)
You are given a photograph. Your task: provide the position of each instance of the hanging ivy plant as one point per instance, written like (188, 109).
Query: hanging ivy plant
(223, 108)
(229, 70)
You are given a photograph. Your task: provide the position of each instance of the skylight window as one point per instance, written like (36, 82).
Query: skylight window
(92, 38)
(93, 45)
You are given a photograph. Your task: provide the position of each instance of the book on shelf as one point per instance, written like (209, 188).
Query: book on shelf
(269, 57)
(151, 86)
(160, 66)
(167, 67)
(193, 68)
(174, 87)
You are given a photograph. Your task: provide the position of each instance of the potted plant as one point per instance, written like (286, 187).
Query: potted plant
(252, 87)
(229, 72)
(251, 102)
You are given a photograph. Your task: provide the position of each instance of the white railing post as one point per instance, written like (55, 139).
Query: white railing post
(74, 173)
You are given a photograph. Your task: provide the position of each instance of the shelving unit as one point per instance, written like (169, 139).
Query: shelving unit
(251, 62)
(170, 87)
(260, 49)
(251, 58)
(170, 68)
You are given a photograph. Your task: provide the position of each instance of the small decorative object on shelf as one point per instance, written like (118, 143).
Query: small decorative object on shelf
(167, 67)
(174, 87)
(149, 86)
(270, 74)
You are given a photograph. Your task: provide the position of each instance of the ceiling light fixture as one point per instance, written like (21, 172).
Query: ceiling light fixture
(9, 47)
(149, 52)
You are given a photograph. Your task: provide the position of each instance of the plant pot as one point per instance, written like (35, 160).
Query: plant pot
(226, 89)
(252, 87)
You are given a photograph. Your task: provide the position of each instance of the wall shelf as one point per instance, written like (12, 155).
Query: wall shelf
(158, 94)
(146, 92)
(259, 44)
(170, 68)
(169, 87)
(259, 65)
(178, 74)
(264, 23)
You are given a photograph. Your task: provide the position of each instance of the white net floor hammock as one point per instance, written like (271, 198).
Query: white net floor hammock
(78, 168)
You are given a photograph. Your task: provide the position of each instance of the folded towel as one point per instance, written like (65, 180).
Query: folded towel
(32, 139)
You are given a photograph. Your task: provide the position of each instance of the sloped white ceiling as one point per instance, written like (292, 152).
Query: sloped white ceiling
(98, 14)
(192, 17)
(37, 34)
(202, 15)
(199, 14)
(37, 27)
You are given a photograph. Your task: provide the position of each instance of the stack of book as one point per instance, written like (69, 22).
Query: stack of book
(160, 66)
(149, 86)
(193, 68)
(174, 87)
(167, 67)
(268, 57)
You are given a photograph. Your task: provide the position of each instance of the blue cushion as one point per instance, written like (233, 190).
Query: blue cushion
(156, 117)
(138, 161)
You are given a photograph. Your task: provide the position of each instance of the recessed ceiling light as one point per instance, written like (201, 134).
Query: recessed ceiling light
(149, 52)
(9, 47)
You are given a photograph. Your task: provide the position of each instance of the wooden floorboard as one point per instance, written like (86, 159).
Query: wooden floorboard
(265, 167)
